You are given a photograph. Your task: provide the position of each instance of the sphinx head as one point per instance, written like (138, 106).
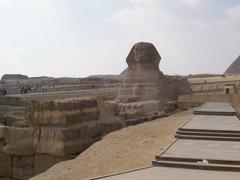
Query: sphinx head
(143, 52)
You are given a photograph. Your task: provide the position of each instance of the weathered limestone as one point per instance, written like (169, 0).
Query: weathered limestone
(140, 108)
(42, 162)
(62, 113)
(144, 80)
(70, 126)
(54, 131)
(72, 140)
(5, 165)
(19, 141)
(144, 88)
(22, 167)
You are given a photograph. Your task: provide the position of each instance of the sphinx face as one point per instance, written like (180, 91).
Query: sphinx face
(142, 53)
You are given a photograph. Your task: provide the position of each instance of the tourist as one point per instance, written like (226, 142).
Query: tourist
(4, 91)
(22, 90)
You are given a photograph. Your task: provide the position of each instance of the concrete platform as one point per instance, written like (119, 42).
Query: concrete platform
(158, 173)
(203, 149)
(210, 127)
(212, 123)
(207, 147)
(185, 153)
(214, 108)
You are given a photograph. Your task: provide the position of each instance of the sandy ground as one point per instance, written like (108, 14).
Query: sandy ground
(129, 148)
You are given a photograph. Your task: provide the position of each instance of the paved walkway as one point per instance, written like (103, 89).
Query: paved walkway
(163, 173)
(207, 146)
(213, 122)
(212, 108)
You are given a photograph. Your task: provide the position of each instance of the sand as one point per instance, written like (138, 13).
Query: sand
(129, 148)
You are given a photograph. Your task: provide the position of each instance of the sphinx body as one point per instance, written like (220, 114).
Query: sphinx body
(143, 81)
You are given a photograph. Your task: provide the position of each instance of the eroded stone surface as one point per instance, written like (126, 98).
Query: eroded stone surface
(144, 80)
(52, 132)
(18, 140)
(145, 88)
(62, 112)
(22, 167)
(5, 165)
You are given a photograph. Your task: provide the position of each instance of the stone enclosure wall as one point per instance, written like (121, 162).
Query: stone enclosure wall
(50, 132)
(196, 100)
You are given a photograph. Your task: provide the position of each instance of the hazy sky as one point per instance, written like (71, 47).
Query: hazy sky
(83, 37)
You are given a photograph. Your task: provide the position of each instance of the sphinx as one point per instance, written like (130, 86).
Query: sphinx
(144, 81)
(145, 89)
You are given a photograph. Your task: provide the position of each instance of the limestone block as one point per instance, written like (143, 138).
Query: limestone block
(2, 144)
(62, 112)
(19, 141)
(107, 108)
(42, 162)
(12, 101)
(63, 141)
(72, 140)
(170, 107)
(23, 167)
(5, 165)
(140, 108)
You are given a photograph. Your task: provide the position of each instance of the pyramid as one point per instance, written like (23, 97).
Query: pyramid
(124, 72)
(234, 68)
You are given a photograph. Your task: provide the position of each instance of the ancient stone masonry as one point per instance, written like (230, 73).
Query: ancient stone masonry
(50, 132)
(145, 88)
(144, 80)
(40, 130)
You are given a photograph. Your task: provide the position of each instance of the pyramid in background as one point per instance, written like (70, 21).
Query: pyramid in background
(234, 68)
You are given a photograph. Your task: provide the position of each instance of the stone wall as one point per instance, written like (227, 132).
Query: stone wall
(54, 131)
(12, 101)
(196, 100)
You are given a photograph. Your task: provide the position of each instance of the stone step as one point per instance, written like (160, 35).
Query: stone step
(214, 138)
(197, 165)
(209, 131)
(214, 113)
(194, 160)
(192, 133)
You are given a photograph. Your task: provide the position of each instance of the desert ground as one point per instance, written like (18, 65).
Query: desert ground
(129, 148)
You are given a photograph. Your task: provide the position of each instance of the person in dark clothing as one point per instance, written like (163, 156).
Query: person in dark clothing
(4, 92)
(22, 90)
(25, 91)
(29, 89)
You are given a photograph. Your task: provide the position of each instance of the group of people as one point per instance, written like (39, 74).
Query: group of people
(25, 90)
(3, 92)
